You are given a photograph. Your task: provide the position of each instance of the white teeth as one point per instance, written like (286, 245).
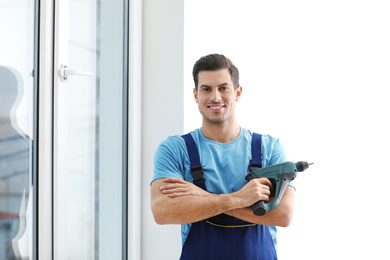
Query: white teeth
(216, 107)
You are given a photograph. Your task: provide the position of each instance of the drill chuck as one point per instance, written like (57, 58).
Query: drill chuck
(301, 166)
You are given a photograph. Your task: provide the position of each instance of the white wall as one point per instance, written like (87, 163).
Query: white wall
(316, 75)
(162, 110)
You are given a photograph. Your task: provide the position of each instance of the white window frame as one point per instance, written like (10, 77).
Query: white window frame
(43, 195)
(134, 129)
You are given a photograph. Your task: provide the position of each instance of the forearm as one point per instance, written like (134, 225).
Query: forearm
(189, 208)
(279, 216)
(175, 201)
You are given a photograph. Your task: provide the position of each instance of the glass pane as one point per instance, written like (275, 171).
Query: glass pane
(16, 127)
(91, 155)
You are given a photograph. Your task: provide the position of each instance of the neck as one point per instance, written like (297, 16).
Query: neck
(220, 132)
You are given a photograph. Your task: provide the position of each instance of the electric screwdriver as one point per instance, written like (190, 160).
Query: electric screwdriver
(280, 176)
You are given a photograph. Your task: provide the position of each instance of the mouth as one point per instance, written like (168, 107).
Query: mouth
(216, 106)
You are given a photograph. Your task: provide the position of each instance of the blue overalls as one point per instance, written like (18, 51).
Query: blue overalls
(223, 237)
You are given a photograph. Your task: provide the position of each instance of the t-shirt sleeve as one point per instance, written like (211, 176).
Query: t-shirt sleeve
(278, 153)
(169, 159)
(273, 151)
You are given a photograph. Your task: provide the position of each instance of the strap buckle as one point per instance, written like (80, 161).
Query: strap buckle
(197, 173)
(254, 167)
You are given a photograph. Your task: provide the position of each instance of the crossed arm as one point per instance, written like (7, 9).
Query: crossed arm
(176, 201)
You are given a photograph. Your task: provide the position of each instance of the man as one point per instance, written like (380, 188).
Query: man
(215, 213)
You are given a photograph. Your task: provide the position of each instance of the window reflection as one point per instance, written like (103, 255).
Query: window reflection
(15, 165)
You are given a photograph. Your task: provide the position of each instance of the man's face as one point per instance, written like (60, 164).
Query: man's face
(216, 96)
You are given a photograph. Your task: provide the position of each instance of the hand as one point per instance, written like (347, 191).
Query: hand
(176, 187)
(254, 191)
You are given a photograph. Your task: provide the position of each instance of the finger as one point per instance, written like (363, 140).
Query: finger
(176, 194)
(167, 191)
(262, 182)
(266, 193)
(173, 186)
(174, 180)
(179, 193)
(266, 188)
(266, 181)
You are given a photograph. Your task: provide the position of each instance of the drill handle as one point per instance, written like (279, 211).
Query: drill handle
(259, 208)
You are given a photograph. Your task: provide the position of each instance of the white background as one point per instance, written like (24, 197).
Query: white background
(316, 75)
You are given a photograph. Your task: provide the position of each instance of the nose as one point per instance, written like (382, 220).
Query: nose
(216, 96)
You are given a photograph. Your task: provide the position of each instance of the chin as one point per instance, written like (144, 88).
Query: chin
(216, 120)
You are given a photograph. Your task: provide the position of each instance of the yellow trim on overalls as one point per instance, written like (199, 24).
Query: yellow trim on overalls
(248, 225)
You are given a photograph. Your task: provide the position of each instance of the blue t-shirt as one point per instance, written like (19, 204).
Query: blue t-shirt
(225, 165)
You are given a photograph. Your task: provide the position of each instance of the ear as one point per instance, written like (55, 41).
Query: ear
(195, 95)
(238, 93)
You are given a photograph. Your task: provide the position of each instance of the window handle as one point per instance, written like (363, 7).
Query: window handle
(65, 72)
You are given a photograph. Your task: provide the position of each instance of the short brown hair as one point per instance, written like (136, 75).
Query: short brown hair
(215, 62)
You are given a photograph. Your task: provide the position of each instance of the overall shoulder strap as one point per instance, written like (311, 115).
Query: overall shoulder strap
(196, 166)
(256, 152)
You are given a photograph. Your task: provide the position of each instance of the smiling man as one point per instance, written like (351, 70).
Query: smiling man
(199, 178)
(216, 96)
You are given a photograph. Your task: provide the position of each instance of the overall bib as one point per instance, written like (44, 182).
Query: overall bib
(224, 237)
